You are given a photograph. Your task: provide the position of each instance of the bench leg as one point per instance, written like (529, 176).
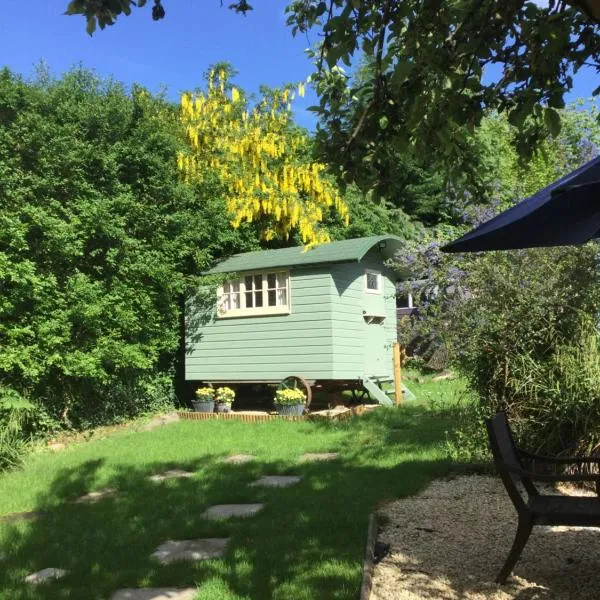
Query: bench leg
(523, 531)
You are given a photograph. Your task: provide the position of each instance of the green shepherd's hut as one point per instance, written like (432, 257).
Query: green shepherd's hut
(325, 317)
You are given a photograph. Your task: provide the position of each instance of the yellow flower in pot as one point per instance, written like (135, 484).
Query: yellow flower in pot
(205, 400)
(290, 401)
(224, 397)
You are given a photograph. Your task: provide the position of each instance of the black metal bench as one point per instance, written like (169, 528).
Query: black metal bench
(519, 470)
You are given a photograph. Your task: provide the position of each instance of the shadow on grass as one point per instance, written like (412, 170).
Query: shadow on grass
(307, 543)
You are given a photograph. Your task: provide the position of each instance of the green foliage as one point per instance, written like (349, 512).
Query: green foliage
(105, 12)
(503, 177)
(431, 83)
(525, 340)
(98, 240)
(369, 216)
(14, 412)
(520, 325)
(468, 443)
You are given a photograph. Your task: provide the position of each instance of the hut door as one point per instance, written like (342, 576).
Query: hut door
(375, 346)
(374, 316)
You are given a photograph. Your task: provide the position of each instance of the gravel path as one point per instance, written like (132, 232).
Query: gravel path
(450, 541)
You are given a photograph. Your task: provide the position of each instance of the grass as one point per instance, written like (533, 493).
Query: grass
(308, 542)
(442, 394)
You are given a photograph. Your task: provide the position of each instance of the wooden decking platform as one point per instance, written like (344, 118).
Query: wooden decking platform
(257, 416)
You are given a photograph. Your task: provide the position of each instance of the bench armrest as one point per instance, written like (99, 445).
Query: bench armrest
(559, 460)
(533, 476)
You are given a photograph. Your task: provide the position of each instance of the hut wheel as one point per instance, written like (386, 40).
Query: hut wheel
(360, 395)
(294, 382)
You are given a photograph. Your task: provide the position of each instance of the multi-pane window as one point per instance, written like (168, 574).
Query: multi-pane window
(231, 296)
(256, 293)
(277, 289)
(253, 286)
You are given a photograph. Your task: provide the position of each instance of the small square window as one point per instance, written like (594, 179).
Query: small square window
(373, 282)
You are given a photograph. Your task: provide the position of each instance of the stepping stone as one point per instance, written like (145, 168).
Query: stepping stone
(319, 456)
(156, 594)
(22, 516)
(276, 481)
(239, 459)
(171, 474)
(161, 420)
(93, 497)
(224, 511)
(201, 549)
(45, 575)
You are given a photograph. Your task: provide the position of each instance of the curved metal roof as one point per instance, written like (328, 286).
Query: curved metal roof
(334, 252)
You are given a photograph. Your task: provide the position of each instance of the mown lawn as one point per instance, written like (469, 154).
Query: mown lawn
(308, 542)
(436, 393)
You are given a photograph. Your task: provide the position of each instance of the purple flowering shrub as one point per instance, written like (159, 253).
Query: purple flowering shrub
(521, 326)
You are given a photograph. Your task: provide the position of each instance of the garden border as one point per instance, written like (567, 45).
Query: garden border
(257, 417)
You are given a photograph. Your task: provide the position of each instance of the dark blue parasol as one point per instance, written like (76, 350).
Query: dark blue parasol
(564, 213)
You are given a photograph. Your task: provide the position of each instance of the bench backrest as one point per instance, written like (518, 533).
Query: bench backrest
(507, 460)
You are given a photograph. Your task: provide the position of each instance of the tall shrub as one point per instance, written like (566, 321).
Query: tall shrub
(522, 327)
(98, 237)
(15, 412)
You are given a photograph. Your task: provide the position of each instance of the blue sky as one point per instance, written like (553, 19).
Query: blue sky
(174, 52)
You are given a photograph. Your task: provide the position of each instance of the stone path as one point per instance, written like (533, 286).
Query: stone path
(171, 474)
(93, 497)
(175, 550)
(156, 594)
(224, 511)
(21, 516)
(45, 575)
(161, 420)
(276, 481)
(317, 456)
(238, 459)
(201, 549)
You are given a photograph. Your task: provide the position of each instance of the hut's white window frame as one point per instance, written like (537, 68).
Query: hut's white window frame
(255, 293)
(378, 279)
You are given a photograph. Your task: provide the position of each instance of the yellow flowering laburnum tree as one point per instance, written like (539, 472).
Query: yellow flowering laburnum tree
(260, 158)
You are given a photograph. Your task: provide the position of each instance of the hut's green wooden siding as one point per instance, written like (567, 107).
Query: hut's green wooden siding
(271, 346)
(324, 337)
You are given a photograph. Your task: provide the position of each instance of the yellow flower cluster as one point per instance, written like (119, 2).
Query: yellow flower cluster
(258, 156)
(225, 394)
(205, 394)
(290, 396)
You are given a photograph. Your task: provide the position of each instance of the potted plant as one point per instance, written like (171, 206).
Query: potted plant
(224, 396)
(205, 400)
(290, 402)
